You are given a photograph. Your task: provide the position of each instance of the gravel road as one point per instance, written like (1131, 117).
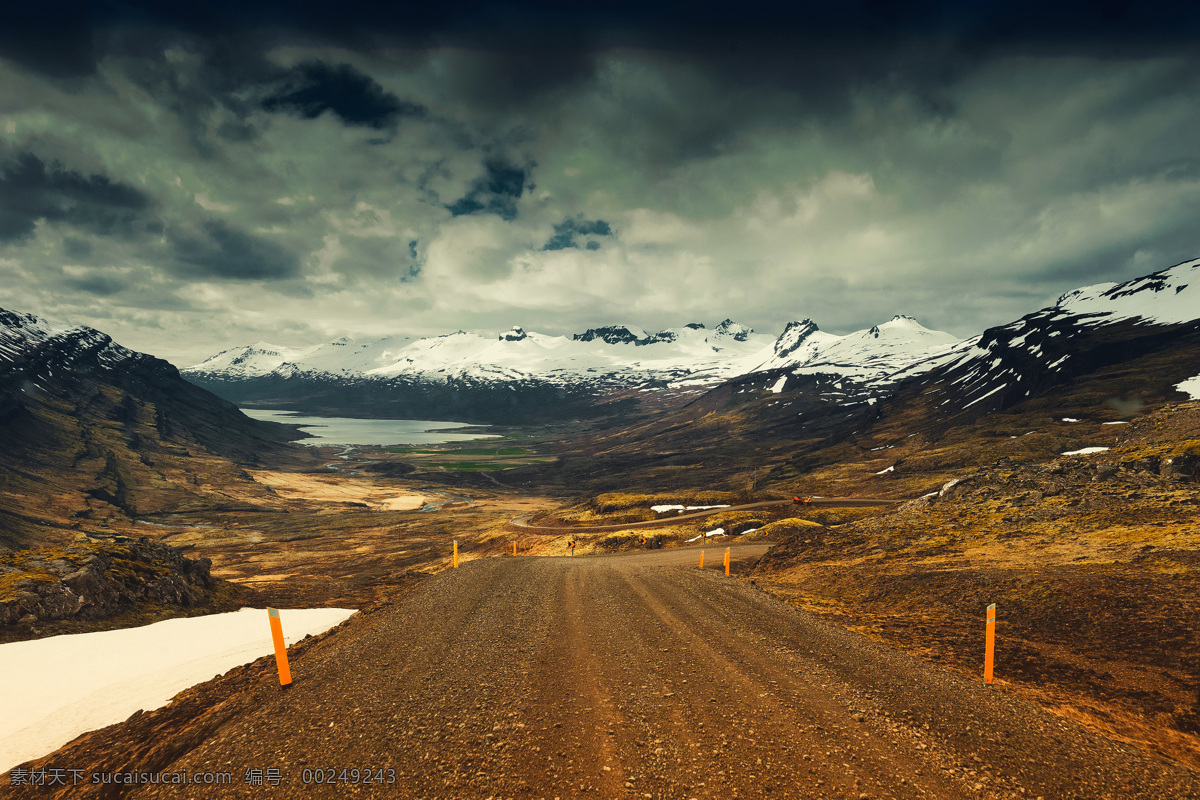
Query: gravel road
(640, 676)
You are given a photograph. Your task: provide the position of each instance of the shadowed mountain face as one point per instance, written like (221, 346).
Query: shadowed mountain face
(92, 433)
(458, 399)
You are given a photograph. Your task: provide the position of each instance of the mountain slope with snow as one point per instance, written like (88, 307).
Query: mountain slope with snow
(870, 356)
(41, 363)
(617, 355)
(515, 372)
(1086, 329)
(36, 348)
(92, 434)
(1166, 297)
(1099, 355)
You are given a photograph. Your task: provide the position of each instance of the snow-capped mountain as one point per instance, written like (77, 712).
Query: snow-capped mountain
(1101, 353)
(873, 355)
(37, 348)
(1085, 330)
(339, 357)
(1165, 297)
(596, 362)
(617, 355)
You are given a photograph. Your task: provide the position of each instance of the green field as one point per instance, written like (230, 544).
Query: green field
(466, 466)
(475, 451)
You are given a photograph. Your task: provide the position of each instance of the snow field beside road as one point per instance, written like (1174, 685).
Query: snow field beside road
(57, 688)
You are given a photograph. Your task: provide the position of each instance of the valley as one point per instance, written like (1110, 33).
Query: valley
(1092, 630)
(620, 401)
(553, 660)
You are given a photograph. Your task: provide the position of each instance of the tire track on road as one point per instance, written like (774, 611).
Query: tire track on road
(525, 678)
(809, 735)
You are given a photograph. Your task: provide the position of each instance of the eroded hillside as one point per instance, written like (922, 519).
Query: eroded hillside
(1093, 560)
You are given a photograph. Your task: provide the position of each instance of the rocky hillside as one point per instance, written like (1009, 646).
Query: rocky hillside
(94, 585)
(93, 434)
(1086, 331)
(1103, 354)
(1092, 556)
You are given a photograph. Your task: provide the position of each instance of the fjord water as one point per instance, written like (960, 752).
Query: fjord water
(348, 431)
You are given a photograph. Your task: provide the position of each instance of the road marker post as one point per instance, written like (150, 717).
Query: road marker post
(456, 554)
(990, 647)
(514, 549)
(726, 562)
(701, 559)
(281, 661)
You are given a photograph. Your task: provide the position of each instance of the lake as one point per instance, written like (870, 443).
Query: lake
(347, 431)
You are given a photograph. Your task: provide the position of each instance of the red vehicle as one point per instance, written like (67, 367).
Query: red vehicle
(803, 501)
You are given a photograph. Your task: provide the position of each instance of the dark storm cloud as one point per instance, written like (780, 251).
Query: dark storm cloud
(199, 80)
(567, 231)
(415, 265)
(76, 248)
(237, 132)
(222, 251)
(68, 38)
(519, 71)
(920, 149)
(100, 285)
(1175, 243)
(496, 192)
(31, 190)
(356, 99)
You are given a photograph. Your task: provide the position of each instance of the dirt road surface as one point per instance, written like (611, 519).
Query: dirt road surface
(635, 676)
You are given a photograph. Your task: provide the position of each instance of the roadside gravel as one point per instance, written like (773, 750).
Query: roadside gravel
(642, 677)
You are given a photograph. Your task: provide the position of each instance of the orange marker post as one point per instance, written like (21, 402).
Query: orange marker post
(726, 562)
(456, 554)
(285, 673)
(701, 559)
(990, 648)
(514, 549)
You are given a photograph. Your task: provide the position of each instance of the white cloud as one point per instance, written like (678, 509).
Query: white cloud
(204, 202)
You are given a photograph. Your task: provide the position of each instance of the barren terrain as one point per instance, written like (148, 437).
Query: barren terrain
(610, 676)
(1091, 559)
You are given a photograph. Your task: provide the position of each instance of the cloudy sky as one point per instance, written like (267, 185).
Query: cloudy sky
(189, 179)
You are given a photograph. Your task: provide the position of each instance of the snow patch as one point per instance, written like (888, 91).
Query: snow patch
(889, 469)
(1085, 451)
(1190, 387)
(985, 397)
(713, 532)
(57, 688)
(662, 509)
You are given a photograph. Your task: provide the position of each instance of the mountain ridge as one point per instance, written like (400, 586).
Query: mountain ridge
(587, 372)
(93, 434)
(1105, 353)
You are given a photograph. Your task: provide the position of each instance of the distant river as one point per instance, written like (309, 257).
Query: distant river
(347, 431)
